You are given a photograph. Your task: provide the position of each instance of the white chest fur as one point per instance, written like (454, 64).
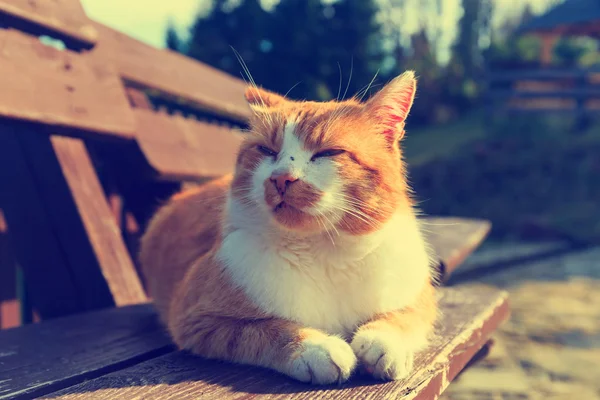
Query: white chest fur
(330, 286)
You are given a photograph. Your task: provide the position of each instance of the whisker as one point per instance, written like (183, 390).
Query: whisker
(251, 79)
(324, 227)
(358, 202)
(340, 87)
(363, 218)
(292, 88)
(330, 223)
(350, 78)
(369, 86)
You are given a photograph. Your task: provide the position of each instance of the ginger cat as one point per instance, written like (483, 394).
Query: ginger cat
(309, 260)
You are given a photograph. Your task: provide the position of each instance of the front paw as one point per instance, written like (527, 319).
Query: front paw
(382, 354)
(323, 360)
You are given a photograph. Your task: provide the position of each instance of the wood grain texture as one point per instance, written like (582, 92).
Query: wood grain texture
(138, 99)
(60, 89)
(186, 149)
(173, 74)
(10, 313)
(100, 226)
(62, 19)
(470, 315)
(41, 358)
(9, 306)
(453, 240)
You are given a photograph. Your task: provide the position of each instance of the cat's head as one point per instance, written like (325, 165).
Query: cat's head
(315, 166)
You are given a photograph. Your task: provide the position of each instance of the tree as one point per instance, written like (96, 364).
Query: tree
(465, 48)
(172, 40)
(243, 28)
(319, 44)
(353, 36)
(296, 33)
(298, 40)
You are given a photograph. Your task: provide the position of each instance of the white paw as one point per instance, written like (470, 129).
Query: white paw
(383, 355)
(323, 360)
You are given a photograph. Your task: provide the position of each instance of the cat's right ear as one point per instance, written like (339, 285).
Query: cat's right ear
(260, 99)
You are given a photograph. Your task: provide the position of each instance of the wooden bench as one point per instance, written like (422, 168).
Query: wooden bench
(86, 157)
(124, 353)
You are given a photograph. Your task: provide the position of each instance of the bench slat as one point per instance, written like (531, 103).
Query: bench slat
(453, 239)
(185, 149)
(174, 74)
(62, 19)
(97, 219)
(470, 315)
(42, 358)
(9, 307)
(60, 89)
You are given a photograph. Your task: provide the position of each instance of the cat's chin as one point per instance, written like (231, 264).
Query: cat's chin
(291, 218)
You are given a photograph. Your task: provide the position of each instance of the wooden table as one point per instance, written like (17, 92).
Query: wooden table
(125, 354)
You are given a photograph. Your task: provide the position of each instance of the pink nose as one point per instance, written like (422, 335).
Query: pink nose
(282, 181)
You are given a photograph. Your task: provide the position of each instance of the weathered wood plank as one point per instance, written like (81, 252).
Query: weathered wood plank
(185, 149)
(42, 358)
(100, 226)
(138, 98)
(9, 307)
(60, 89)
(470, 316)
(10, 313)
(62, 19)
(173, 74)
(453, 240)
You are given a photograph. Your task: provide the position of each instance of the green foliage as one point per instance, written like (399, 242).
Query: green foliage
(299, 40)
(514, 52)
(243, 28)
(574, 52)
(517, 172)
(465, 48)
(172, 40)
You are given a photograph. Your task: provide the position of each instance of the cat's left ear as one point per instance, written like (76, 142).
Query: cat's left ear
(261, 99)
(391, 105)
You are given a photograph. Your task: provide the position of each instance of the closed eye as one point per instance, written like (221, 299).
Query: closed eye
(327, 153)
(266, 151)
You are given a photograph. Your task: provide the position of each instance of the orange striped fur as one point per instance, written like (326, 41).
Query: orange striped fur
(309, 259)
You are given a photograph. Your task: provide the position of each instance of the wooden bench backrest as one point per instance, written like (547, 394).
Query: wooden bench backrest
(177, 148)
(173, 74)
(64, 234)
(62, 19)
(60, 90)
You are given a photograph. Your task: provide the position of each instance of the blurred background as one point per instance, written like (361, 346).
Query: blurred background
(504, 128)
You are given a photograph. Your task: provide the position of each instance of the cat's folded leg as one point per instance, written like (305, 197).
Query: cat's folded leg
(386, 344)
(302, 353)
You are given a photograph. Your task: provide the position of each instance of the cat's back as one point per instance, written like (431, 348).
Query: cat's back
(182, 231)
